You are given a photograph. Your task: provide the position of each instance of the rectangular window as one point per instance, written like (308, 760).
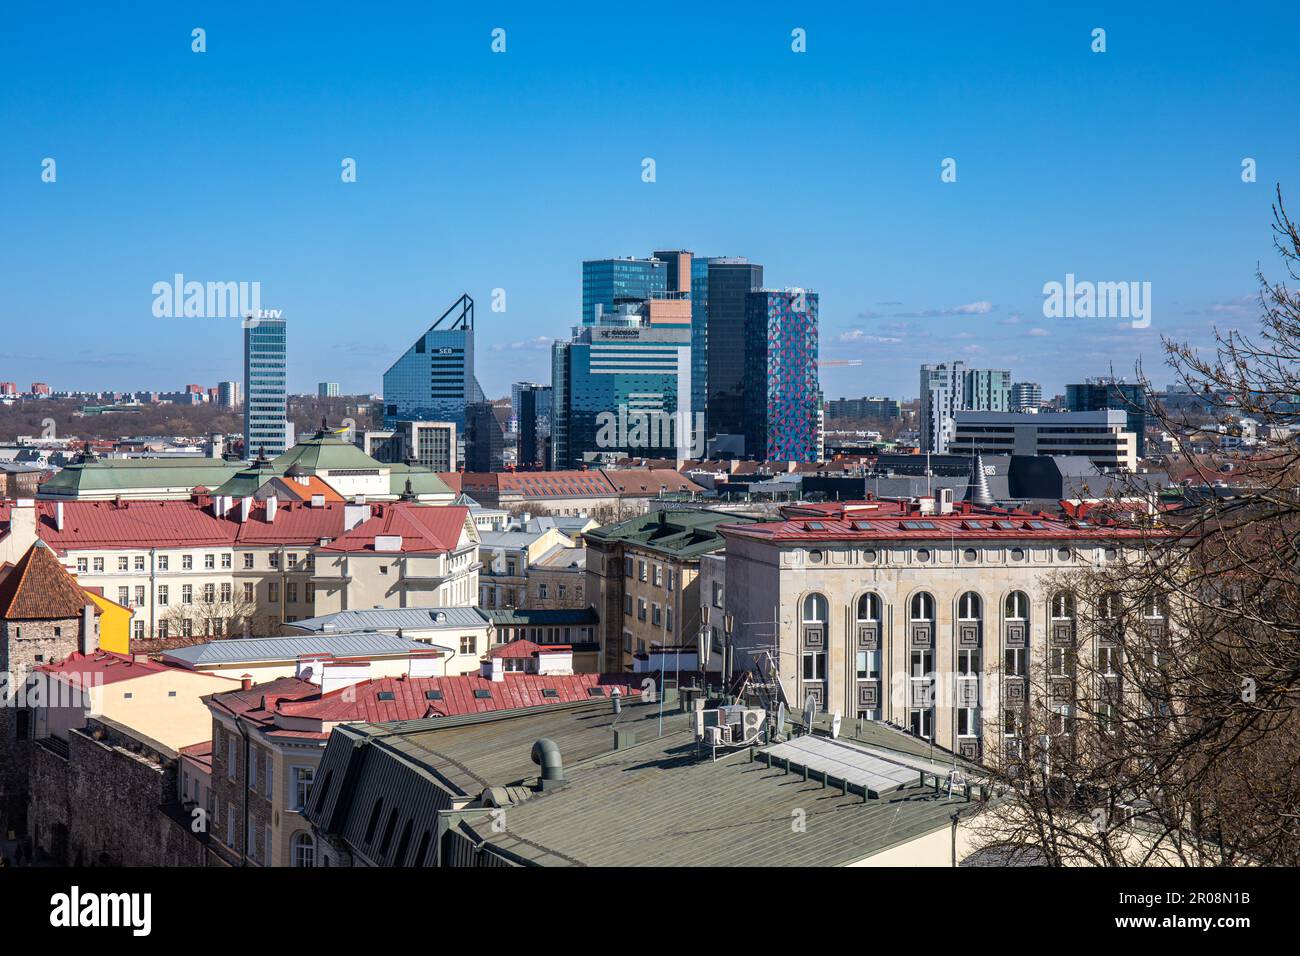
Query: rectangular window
(252, 769)
(1014, 662)
(82, 565)
(640, 608)
(99, 564)
(248, 590)
(814, 665)
(123, 563)
(1108, 661)
(659, 576)
(248, 562)
(209, 593)
(139, 562)
(162, 630)
(868, 665)
(124, 596)
(309, 592)
(187, 562)
(656, 615)
(469, 644)
(627, 604)
(967, 722)
(627, 567)
(668, 619)
(273, 592)
(232, 755)
(230, 825)
(225, 592)
(302, 780)
(274, 558)
(137, 630)
(162, 562)
(225, 561)
(291, 592)
(640, 571)
(139, 595)
(162, 595)
(187, 628)
(209, 562)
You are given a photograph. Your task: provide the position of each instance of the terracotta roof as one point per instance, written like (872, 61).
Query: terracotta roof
(258, 703)
(421, 529)
(39, 588)
(635, 482)
(300, 489)
(104, 667)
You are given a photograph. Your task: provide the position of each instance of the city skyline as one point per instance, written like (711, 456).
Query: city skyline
(909, 268)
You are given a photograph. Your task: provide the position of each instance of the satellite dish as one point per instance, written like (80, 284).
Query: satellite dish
(780, 718)
(835, 725)
(809, 710)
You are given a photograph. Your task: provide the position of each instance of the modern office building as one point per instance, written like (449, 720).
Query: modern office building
(623, 387)
(1096, 394)
(876, 409)
(532, 406)
(950, 387)
(431, 444)
(434, 380)
(1102, 436)
(266, 426)
(781, 408)
(607, 283)
(485, 439)
(1027, 397)
(327, 390)
(730, 281)
(228, 394)
(699, 333)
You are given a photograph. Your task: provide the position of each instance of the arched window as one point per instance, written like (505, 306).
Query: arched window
(1063, 606)
(970, 607)
(922, 607)
(303, 850)
(869, 609)
(814, 609)
(1017, 606)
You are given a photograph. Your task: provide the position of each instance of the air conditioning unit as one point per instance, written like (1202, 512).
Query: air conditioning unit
(752, 723)
(715, 736)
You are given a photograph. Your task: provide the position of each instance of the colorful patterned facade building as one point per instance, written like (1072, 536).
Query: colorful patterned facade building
(781, 382)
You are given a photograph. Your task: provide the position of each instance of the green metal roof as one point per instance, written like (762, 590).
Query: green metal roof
(687, 533)
(423, 480)
(324, 452)
(136, 474)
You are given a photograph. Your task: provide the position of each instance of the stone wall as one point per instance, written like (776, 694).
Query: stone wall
(108, 798)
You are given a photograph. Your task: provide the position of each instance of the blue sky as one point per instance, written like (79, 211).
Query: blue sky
(478, 171)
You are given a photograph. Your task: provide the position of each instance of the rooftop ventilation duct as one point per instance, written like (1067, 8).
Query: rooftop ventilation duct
(546, 754)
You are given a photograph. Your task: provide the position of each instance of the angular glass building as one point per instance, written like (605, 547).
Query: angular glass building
(434, 380)
(266, 427)
(782, 394)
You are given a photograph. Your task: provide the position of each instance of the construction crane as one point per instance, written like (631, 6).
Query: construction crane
(826, 362)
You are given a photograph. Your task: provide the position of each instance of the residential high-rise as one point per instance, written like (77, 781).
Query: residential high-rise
(434, 380)
(623, 387)
(950, 387)
(266, 426)
(607, 283)
(327, 390)
(228, 394)
(782, 397)
(730, 281)
(1026, 397)
(1098, 394)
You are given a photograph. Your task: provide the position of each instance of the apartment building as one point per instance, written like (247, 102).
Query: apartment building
(213, 565)
(641, 579)
(920, 613)
(508, 558)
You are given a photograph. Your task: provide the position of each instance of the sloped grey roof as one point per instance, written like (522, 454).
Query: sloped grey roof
(391, 619)
(250, 649)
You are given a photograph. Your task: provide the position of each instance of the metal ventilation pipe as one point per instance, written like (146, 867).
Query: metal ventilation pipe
(546, 754)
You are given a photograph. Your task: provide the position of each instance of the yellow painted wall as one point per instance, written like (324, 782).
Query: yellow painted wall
(114, 624)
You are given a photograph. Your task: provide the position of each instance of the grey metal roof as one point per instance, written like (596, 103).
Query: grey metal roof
(392, 619)
(252, 649)
(657, 805)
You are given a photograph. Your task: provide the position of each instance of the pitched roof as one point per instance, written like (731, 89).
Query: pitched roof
(409, 698)
(526, 648)
(425, 528)
(253, 649)
(39, 588)
(103, 667)
(392, 619)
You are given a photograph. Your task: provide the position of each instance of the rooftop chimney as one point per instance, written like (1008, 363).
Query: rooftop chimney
(245, 508)
(87, 639)
(245, 681)
(354, 514)
(58, 515)
(270, 509)
(546, 754)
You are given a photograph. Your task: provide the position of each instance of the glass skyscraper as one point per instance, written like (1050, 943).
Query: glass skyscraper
(434, 379)
(782, 395)
(266, 426)
(1095, 395)
(729, 283)
(623, 388)
(607, 283)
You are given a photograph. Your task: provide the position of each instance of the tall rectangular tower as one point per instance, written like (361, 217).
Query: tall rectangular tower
(730, 281)
(782, 394)
(434, 379)
(266, 426)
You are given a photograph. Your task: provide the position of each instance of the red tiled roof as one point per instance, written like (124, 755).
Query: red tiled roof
(650, 481)
(39, 588)
(200, 753)
(361, 702)
(258, 703)
(189, 523)
(105, 667)
(300, 489)
(421, 529)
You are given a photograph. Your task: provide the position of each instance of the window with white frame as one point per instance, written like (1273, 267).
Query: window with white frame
(302, 781)
(814, 665)
(1017, 606)
(303, 850)
(868, 665)
(922, 607)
